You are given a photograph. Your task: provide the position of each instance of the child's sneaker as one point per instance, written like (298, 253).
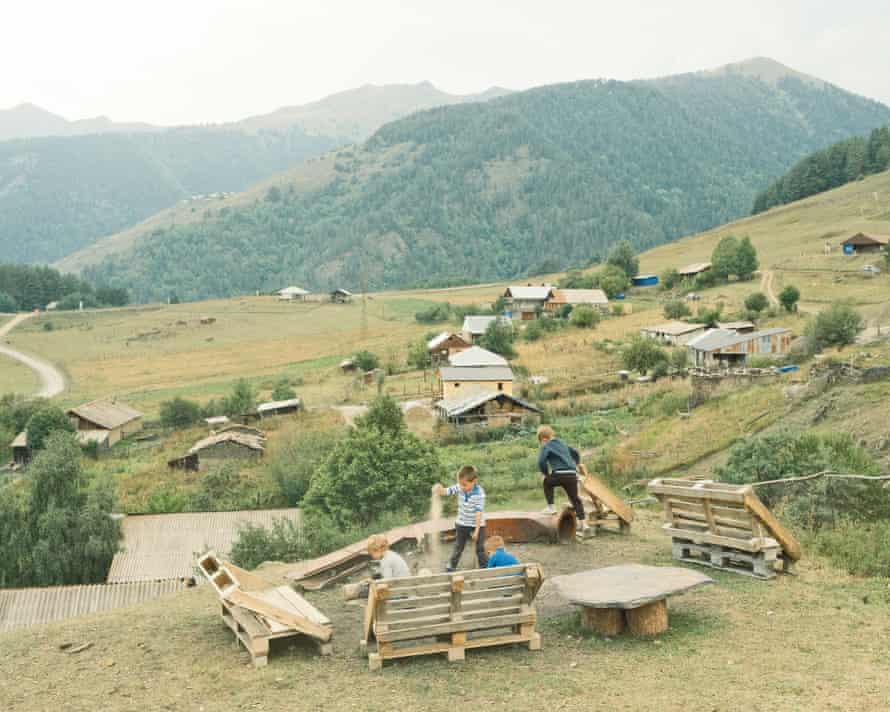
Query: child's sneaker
(549, 509)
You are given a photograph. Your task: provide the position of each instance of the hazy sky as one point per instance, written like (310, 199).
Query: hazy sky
(194, 61)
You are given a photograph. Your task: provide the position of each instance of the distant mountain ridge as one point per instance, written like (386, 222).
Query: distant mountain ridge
(533, 182)
(31, 121)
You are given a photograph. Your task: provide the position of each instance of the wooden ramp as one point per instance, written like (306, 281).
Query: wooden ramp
(605, 508)
(258, 612)
(450, 613)
(724, 526)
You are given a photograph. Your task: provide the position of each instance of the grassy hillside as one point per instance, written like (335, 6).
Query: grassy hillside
(531, 182)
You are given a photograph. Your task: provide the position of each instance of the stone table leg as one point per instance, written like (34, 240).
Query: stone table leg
(605, 621)
(650, 619)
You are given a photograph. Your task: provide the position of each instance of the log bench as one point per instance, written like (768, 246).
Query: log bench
(258, 612)
(450, 613)
(724, 526)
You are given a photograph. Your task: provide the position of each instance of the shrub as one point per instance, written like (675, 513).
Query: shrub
(419, 356)
(434, 313)
(660, 370)
(756, 302)
(48, 326)
(49, 419)
(584, 317)
(366, 361)
(296, 459)
(838, 325)
(623, 256)
(676, 309)
(283, 391)
(612, 280)
(617, 309)
(498, 337)
(242, 399)
(789, 297)
(858, 547)
(643, 355)
(680, 358)
(180, 413)
(384, 415)
(669, 279)
(533, 331)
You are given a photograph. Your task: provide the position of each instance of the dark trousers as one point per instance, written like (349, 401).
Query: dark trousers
(569, 482)
(462, 536)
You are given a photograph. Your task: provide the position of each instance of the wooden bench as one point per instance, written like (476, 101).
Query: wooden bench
(724, 526)
(258, 612)
(605, 510)
(449, 613)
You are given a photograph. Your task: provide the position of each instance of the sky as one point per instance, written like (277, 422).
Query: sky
(197, 61)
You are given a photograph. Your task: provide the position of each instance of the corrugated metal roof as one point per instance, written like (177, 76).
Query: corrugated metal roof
(25, 607)
(476, 356)
(166, 546)
(278, 405)
(531, 293)
(735, 325)
(694, 268)
(467, 402)
(476, 373)
(579, 296)
(673, 328)
(478, 324)
(723, 338)
(106, 414)
(438, 340)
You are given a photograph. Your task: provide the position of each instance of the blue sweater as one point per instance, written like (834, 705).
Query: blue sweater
(502, 558)
(556, 456)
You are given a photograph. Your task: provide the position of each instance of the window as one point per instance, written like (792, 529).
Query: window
(457, 385)
(500, 386)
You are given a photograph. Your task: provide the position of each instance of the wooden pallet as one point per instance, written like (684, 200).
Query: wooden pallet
(761, 564)
(451, 613)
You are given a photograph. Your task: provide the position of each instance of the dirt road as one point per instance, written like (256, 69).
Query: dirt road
(51, 379)
(766, 286)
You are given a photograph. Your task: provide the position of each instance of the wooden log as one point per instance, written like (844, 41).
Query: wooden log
(651, 619)
(604, 621)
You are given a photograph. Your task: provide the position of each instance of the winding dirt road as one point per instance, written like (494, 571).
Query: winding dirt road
(51, 379)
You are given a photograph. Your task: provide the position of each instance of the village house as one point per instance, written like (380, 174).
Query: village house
(341, 296)
(105, 422)
(722, 347)
(475, 326)
(460, 379)
(21, 453)
(282, 407)
(290, 294)
(526, 303)
(862, 243)
(477, 356)
(595, 298)
(243, 430)
(693, 270)
(221, 446)
(444, 345)
(675, 333)
(485, 407)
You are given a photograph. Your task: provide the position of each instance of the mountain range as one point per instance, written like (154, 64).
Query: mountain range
(528, 182)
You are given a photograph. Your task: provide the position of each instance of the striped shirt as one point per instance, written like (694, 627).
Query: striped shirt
(468, 505)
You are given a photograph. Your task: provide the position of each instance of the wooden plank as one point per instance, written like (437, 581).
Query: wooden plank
(789, 544)
(515, 586)
(303, 606)
(695, 494)
(253, 603)
(599, 490)
(752, 545)
(370, 609)
(487, 603)
(466, 625)
(469, 575)
(246, 580)
(442, 647)
(507, 608)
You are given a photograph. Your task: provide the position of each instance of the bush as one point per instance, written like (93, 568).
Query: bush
(669, 279)
(296, 459)
(384, 415)
(435, 313)
(617, 310)
(533, 331)
(584, 317)
(612, 280)
(858, 547)
(180, 413)
(241, 401)
(676, 309)
(419, 356)
(283, 391)
(643, 355)
(48, 326)
(789, 297)
(680, 358)
(756, 302)
(366, 361)
(660, 370)
(49, 419)
(838, 325)
(498, 337)
(623, 256)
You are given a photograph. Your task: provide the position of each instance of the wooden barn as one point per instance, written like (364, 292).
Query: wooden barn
(218, 447)
(486, 408)
(862, 243)
(446, 344)
(106, 422)
(595, 298)
(721, 347)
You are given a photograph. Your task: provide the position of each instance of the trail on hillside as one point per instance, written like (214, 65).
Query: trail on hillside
(51, 379)
(766, 286)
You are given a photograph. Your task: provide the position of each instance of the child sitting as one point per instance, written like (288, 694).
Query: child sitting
(497, 555)
(391, 564)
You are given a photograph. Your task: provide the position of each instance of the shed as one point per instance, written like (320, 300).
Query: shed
(486, 408)
(118, 419)
(221, 446)
(442, 346)
(216, 420)
(693, 270)
(525, 303)
(676, 333)
(243, 430)
(100, 437)
(722, 347)
(645, 280)
(456, 380)
(476, 326)
(282, 407)
(477, 356)
(341, 296)
(21, 453)
(155, 547)
(577, 297)
(289, 294)
(865, 243)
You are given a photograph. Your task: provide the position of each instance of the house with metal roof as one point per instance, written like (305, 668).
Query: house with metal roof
(862, 243)
(289, 294)
(676, 333)
(442, 346)
(526, 303)
(116, 419)
(577, 297)
(457, 380)
(474, 326)
(484, 407)
(477, 356)
(723, 347)
(693, 270)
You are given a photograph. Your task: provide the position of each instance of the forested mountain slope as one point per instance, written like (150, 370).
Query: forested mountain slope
(536, 180)
(59, 194)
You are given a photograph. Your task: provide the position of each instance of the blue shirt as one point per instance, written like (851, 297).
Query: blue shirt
(468, 505)
(556, 456)
(502, 558)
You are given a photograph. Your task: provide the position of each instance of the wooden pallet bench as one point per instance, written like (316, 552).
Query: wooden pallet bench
(724, 526)
(605, 510)
(450, 613)
(258, 612)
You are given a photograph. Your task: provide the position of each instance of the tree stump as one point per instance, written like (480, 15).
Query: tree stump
(605, 621)
(650, 619)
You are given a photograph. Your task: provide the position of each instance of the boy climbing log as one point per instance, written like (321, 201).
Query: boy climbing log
(558, 464)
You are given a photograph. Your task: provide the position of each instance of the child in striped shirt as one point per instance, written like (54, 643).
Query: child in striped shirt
(470, 522)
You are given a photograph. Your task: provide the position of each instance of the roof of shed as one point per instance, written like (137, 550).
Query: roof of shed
(470, 401)
(293, 291)
(722, 338)
(673, 328)
(868, 237)
(254, 442)
(25, 607)
(166, 546)
(107, 414)
(476, 356)
(579, 296)
(278, 405)
(478, 324)
(476, 373)
(694, 268)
